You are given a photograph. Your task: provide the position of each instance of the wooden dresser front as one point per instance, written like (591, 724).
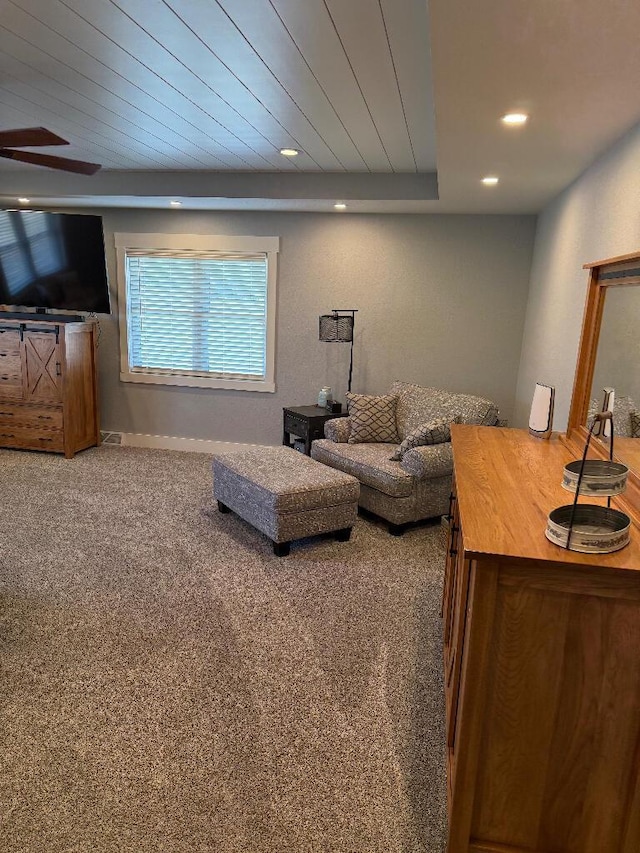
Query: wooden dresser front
(542, 662)
(48, 386)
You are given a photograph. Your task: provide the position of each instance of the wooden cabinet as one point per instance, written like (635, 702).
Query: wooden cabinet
(542, 662)
(48, 390)
(455, 599)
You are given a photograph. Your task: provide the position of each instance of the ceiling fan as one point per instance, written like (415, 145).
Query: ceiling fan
(28, 137)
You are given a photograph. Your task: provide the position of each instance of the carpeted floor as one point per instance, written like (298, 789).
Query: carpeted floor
(167, 685)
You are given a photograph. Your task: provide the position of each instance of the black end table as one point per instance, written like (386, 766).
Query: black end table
(306, 422)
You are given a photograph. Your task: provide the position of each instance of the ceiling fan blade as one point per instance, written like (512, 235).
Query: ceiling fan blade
(79, 166)
(25, 137)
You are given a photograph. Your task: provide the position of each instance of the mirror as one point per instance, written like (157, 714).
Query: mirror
(617, 365)
(609, 357)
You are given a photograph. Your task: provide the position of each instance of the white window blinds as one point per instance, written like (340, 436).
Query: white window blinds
(197, 313)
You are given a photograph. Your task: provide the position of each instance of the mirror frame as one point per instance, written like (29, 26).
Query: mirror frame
(620, 271)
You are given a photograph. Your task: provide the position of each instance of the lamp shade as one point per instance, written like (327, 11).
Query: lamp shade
(336, 328)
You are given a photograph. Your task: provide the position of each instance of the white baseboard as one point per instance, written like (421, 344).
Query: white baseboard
(172, 442)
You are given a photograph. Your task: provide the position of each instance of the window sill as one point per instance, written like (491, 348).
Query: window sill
(199, 382)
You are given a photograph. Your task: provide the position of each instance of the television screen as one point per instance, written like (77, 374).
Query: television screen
(52, 260)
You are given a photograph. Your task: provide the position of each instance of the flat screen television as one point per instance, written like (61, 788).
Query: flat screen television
(52, 261)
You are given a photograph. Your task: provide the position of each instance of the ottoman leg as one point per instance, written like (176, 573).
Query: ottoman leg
(343, 535)
(281, 549)
(223, 507)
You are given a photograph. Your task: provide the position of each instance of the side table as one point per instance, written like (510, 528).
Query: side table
(306, 422)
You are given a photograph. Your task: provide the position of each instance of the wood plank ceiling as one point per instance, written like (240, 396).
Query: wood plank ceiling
(193, 100)
(223, 84)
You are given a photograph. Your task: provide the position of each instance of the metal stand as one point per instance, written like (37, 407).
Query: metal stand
(599, 418)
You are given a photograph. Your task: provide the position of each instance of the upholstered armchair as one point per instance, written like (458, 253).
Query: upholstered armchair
(399, 447)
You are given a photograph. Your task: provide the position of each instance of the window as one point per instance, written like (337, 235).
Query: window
(198, 310)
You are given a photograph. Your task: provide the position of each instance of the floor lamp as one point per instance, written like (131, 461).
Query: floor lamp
(337, 327)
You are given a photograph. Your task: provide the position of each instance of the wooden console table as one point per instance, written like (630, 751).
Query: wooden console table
(542, 662)
(307, 422)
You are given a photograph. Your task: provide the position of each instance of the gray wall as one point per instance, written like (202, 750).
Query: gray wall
(597, 217)
(441, 302)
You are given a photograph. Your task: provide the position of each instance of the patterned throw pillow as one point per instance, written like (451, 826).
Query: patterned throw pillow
(635, 424)
(435, 432)
(372, 418)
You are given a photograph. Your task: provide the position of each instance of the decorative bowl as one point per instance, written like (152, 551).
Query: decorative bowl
(601, 478)
(596, 529)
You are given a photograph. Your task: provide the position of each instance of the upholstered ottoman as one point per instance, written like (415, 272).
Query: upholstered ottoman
(285, 494)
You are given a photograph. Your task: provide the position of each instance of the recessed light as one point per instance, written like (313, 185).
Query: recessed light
(490, 180)
(515, 118)
(175, 203)
(24, 200)
(340, 205)
(289, 152)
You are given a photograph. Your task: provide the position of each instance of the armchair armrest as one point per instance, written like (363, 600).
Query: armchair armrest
(338, 430)
(428, 461)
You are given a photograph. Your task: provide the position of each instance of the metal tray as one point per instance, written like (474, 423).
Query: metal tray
(596, 529)
(601, 478)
